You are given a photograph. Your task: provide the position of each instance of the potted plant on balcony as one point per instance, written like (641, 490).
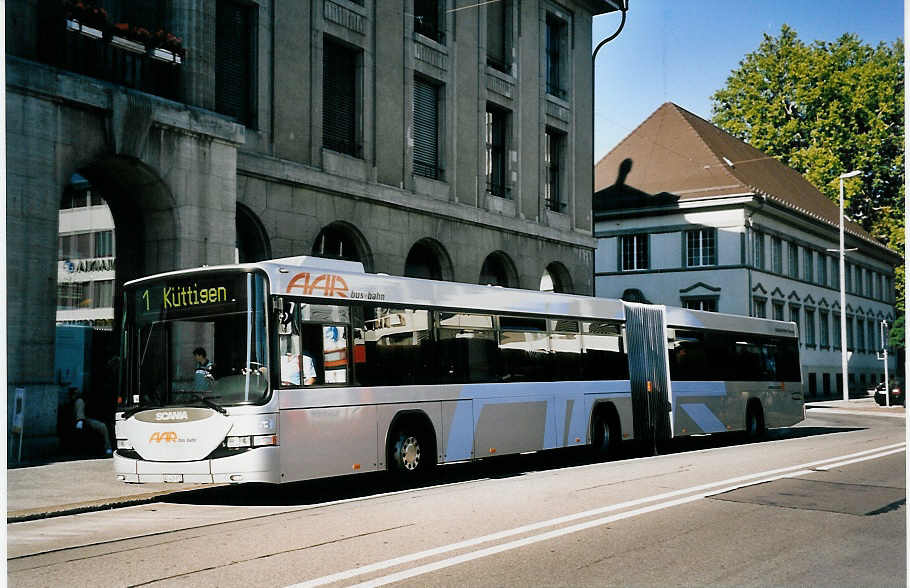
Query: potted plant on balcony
(130, 38)
(85, 17)
(167, 47)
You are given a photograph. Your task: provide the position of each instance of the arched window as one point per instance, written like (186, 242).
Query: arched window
(340, 240)
(428, 259)
(556, 278)
(252, 240)
(498, 270)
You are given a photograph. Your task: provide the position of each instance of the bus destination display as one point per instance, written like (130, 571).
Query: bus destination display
(183, 297)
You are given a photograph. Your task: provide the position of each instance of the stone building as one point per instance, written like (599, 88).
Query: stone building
(434, 138)
(688, 215)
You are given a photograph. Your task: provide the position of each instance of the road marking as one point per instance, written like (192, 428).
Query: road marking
(893, 415)
(702, 491)
(425, 569)
(831, 466)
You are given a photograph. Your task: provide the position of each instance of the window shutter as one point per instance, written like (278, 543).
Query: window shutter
(233, 61)
(426, 130)
(339, 95)
(496, 42)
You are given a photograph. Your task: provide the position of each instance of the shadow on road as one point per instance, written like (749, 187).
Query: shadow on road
(373, 484)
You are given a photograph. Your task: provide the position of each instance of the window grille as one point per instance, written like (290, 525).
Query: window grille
(701, 247)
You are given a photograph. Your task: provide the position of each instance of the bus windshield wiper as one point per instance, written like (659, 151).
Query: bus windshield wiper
(138, 408)
(208, 402)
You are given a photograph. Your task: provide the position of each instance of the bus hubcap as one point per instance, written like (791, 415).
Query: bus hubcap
(410, 453)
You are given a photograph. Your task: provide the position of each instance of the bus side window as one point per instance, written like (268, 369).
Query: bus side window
(361, 375)
(289, 351)
(603, 351)
(335, 354)
(688, 360)
(523, 349)
(324, 334)
(466, 348)
(565, 350)
(396, 347)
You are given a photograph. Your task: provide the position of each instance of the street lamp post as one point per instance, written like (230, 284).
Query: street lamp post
(623, 6)
(843, 290)
(884, 327)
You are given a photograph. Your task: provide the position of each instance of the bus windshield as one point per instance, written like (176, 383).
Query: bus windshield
(196, 340)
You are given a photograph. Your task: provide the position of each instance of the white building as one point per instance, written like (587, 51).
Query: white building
(687, 215)
(85, 258)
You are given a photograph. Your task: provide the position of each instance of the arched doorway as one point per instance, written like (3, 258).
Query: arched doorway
(428, 259)
(341, 240)
(252, 240)
(556, 278)
(85, 341)
(498, 270)
(117, 220)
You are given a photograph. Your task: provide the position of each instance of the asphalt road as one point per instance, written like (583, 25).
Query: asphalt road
(821, 503)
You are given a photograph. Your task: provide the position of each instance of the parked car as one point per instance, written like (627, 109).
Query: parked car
(896, 397)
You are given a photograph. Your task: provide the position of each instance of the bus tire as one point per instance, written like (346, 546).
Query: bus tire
(605, 433)
(755, 420)
(412, 453)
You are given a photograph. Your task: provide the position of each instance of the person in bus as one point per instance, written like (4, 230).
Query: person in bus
(291, 367)
(292, 364)
(203, 375)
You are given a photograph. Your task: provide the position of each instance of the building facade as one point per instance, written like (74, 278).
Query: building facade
(687, 215)
(432, 138)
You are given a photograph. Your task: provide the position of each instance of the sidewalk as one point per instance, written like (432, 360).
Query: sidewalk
(71, 487)
(865, 404)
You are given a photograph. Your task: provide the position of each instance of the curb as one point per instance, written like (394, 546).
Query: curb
(858, 406)
(895, 414)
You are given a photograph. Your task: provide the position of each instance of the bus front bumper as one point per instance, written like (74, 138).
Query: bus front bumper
(256, 465)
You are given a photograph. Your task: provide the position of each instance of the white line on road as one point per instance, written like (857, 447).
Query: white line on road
(831, 466)
(701, 490)
(425, 569)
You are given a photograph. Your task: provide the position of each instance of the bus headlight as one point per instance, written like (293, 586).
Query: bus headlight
(124, 444)
(264, 440)
(238, 442)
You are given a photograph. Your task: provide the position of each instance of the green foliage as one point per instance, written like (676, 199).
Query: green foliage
(896, 338)
(824, 109)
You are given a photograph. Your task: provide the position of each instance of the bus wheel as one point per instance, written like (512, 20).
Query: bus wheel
(411, 453)
(604, 435)
(755, 420)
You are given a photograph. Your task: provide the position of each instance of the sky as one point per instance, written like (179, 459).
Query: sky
(683, 52)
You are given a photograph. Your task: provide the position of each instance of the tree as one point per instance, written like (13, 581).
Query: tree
(897, 340)
(897, 335)
(824, 109)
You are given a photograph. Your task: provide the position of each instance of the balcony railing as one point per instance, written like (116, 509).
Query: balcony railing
(68, 45)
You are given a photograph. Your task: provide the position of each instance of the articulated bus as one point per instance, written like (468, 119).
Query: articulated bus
(313, 368)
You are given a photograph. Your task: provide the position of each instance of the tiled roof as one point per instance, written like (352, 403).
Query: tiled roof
(676, 156)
